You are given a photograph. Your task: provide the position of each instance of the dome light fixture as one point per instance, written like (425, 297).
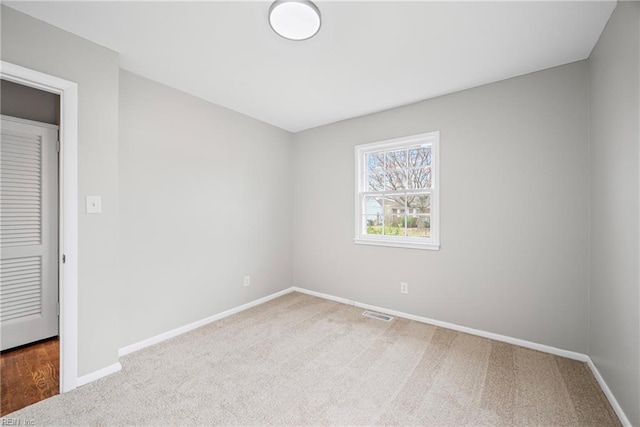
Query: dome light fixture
(294, 19)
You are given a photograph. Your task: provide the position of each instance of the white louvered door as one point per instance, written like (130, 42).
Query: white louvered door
(28, 232)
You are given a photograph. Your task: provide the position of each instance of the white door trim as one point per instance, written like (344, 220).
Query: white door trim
(68, 279)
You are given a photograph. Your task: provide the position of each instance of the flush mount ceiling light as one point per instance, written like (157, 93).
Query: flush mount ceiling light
(294, 19)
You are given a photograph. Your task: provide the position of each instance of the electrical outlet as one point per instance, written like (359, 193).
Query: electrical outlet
(404, 288)
(247, 280)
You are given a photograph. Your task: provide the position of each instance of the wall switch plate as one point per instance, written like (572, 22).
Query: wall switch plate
(94, 204)
(247, 280)
(404, 288)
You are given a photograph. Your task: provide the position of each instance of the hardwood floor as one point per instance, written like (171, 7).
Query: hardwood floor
(29, 374)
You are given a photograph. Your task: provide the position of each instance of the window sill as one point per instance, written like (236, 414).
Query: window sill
(397, 244)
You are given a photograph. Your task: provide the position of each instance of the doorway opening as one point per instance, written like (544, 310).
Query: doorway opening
(65, 347)
(29, 231)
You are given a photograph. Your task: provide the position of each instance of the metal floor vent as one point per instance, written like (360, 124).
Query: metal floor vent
(378, 316)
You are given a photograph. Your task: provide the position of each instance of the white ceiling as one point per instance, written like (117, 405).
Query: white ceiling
(367, 57)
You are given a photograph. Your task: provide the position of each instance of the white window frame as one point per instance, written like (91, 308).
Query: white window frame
(431, 243)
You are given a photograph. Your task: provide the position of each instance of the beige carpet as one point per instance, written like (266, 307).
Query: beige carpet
(300, 360)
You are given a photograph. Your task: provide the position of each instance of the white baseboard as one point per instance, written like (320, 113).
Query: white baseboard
(607, 392)
(323, 295)
(516, 341)
(186, 328)
(96, 375)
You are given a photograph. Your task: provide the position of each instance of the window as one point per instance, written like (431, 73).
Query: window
(397, 192)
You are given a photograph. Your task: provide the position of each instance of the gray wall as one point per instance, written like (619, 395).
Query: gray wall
(42, 47)
(205, 199)
(514, 254)
(614, 322)
(28, 103)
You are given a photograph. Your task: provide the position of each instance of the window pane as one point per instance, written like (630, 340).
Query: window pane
(374, 206)
(419, 205)
(419, 220)
(376, 180)
(380, 180)
(420, 157)
(394, 225)
(419, 178)
(374, 161)
(394, 202)
(396, 179)
(396, 159)
(372, 224)
(419, 226)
